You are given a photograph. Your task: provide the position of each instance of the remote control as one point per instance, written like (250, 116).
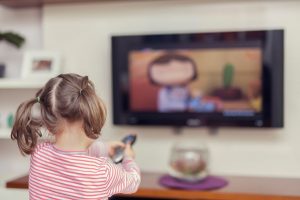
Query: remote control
(119, 151)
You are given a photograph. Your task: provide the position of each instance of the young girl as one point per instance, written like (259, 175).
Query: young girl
(74, 165)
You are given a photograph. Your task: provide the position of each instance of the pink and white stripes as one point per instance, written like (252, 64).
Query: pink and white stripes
(66, 175)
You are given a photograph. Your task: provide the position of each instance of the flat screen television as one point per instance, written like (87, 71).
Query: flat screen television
(209, 79)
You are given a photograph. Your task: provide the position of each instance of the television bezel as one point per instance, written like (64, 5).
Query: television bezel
(272, 42)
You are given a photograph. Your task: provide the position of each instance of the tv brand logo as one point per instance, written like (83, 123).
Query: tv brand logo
(193, 122)
(259, 123)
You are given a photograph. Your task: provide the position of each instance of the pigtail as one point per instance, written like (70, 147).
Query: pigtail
(92, 109)
(26, 128)
(85, 83)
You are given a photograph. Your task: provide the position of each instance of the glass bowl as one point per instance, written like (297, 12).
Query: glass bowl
(189, 161)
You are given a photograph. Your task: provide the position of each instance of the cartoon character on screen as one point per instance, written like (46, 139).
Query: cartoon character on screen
(254, 95)
(173, 72)
(198, 104)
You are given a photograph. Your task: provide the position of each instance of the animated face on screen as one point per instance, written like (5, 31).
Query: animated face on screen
(172, 72)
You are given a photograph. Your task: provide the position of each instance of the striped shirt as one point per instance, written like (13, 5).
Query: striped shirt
(65, 175)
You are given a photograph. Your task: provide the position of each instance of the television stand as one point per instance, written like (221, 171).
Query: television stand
(239, 188)
(213, 130)
(177, 130)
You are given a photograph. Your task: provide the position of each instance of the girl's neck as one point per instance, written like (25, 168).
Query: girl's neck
(72, 137)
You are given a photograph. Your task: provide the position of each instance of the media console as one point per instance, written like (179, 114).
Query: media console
(239, 188)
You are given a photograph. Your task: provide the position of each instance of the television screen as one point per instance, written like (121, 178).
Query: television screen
(200, 79)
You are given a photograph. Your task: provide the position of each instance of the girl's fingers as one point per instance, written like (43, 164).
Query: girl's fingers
(117, 144)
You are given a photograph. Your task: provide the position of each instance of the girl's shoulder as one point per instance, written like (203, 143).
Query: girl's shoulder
(48, 148)
(41, 146)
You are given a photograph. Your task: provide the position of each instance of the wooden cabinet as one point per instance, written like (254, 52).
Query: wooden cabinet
(239, 188)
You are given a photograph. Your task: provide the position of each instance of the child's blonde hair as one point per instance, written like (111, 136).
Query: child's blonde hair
(68, 96)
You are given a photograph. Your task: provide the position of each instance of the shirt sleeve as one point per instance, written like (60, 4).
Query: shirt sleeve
(98, 149)
(123, 178)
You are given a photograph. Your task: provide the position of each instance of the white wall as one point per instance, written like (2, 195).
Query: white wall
(82, 33)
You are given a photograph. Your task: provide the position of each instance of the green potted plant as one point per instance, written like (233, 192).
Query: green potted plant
(228, 92)
(14, 39)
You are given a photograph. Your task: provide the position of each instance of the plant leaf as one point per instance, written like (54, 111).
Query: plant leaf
(13, 38)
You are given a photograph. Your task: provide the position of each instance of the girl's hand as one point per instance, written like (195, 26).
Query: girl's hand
(113, 145)
(129, 151)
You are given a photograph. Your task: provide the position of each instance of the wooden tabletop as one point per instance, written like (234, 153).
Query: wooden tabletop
(239, 188)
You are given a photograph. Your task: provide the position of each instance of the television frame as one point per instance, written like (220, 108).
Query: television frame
(272, 45)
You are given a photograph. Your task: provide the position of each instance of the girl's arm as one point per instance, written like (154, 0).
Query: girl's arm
(98, 149)
(124, 177)
(121, 178)
(103, 149)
